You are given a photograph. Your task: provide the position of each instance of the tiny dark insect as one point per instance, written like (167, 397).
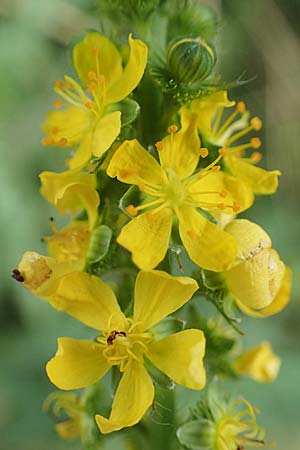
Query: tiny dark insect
(113, 336)
(16, 274)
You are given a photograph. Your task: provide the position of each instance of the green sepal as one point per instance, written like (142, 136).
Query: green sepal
(197, 434)
(99, 244)
(166, 327)
(129, 109)
(131, 197)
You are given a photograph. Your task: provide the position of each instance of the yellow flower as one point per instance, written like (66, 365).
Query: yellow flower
(259, 281)
(227, 132)
(70, 428)
(125, 342)
(91, 120)
(175, 189)
(259, 363)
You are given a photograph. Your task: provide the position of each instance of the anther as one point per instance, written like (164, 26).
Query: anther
(215, 168)
(255, 142)
(236, 207)
(256, 123)
(241, 107)
(172, 129)
(92, 75)
(203, 152)
(131, 210)
(221, 206)
(90, 105)
(223, 151)
(159, 146)
(91, 86)
(59, 84)
(256, 157)
(95, 50)
(57, 103)
(16, 274)
(48, 141)
(223, 194)
(62, 142)
(68, 84)
(55, 130)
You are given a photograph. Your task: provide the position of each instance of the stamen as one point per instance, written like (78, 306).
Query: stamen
(172, 129)
(221, 206)
(95, 50)
(62, 142)
(236, 207)
(48, 141)
(241, 107)
(132, 210)
(52, 225)
(92, 75)
(256, 157)
(16, 274)
(55, 130)
(59, 84)
(159, 146)
(203, 152)
(255, 142)
(149, 204)
(215, 168)
(57, 103)
(223, 151)
(256, 123)
(223, 194)
(90, 105)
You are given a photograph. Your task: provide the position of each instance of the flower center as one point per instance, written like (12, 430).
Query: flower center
(174, 192)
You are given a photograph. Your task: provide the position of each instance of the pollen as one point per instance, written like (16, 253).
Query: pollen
(159, 146)
(48, 141)
(91, 86)
(241, 107)
(256, 123)
(90, 105)
(57, 103)
(256, 157)
(221, 206)
(223, 194)
(131, 210)
(62, 142)
(203, 152)
(92, 75)
(59, 84)
(172, 129)
(215, 168)
(236, 207)
(255, 142)
(223, 151)
(55, 130)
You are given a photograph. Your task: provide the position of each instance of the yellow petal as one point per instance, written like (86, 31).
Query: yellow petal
(106, 131)
(280, 301)
(158, 294)
(180, 356)
(260, 180)
(97, 54)
(71, 191)
(206, 109)
(71, 124)
(132, 73)
(256, 281)
(250, 237)
(90, 300)
(77, 364)
(260, 363)
(42, 274)
(133, 397)
(82, 154)
(70, 243)
(236, 191)
(147, 237)
(180, 151)
(132, 164)
(207, 245)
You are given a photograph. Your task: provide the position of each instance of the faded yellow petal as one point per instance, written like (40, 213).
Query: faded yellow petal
(180, 356)
(207, 245)
(70, 243)
(90, 300)
(96, 53)
(132, 164)
(260, 180)
(180, 151)
(158, 294)
(147, 237)
(77, 364)
(105, 133)
(71, 124)
(133, 397)
(130, 77)
(259, 363)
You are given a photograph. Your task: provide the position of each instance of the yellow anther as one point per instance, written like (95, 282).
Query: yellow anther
(223, 151)
(215, 168)
(92, 75)
(203, 152)
(221, 206)
(256, 157)
(57, 103)
(91, 86)
(256, 123)
(101, 79)
(255, 142)
(223, 194)
(131, 210)
(55, 130)
(241, 107)
(159, 146)
(62, 142)
(47, 141)
(90, 105)
(59, 84)
(68, 84)
(141, 187)
(172, 129)
(192, 235)
(236, 207)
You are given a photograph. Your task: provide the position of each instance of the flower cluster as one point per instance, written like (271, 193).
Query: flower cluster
(151, 210)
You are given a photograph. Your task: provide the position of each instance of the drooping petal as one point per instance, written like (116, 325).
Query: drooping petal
(133, 397)
(158, 294)
(132, 164)
(70, 124)
(130, 77)
(279, 303)
(220, 183)
(71, 191)
(147, 237)
(90, 300)
(105, 133)
(77, 364)
(96, 53)
(42, 274)
(207, 245)
(180, 356)
(261, 181)
(180, 151)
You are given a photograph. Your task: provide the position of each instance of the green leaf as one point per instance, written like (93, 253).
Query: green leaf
(99, 244)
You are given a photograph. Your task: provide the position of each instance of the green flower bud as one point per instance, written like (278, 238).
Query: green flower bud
(190, 60)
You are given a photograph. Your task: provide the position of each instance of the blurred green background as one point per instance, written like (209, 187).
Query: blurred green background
(260, 37)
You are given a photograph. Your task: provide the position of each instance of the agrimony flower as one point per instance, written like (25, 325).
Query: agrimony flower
(173, 190)
(259, 363)
(259, 281)
(91, 121)
(126, 342)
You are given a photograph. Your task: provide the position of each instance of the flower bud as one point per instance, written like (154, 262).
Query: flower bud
(190, 60)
